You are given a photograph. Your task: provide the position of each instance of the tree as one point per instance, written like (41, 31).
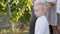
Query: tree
(20, 10)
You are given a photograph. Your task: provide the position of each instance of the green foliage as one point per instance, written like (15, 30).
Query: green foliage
(20, 9)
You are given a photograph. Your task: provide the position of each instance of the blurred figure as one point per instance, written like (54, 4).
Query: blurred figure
(42, 25)
(33, 20)
(58, 13)
(52, 18)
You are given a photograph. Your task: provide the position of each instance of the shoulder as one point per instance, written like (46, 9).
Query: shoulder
(41, 18)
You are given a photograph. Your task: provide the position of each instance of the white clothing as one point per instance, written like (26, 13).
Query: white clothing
(58, 6)
(52, 15)
(53, 1)
(42, 25)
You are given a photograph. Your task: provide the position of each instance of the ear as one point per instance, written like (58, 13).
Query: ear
(45, 9)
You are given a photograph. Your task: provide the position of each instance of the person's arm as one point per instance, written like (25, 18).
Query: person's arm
(32, 22)
(33, 18)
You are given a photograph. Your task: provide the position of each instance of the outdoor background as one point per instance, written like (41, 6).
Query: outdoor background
(15, 16)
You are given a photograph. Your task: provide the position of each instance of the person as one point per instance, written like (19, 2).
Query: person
(53, 15)
(42, 25)
(33, 20)
(58, 12)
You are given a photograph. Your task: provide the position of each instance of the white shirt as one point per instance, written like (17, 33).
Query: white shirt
(41, 26)
(58, 6)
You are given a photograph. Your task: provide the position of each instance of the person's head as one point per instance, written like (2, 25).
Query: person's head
(38, 10)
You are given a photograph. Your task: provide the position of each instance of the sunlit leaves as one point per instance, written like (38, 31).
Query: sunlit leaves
(20, 9)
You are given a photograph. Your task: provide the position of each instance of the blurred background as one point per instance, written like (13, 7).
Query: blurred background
(15, 16)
